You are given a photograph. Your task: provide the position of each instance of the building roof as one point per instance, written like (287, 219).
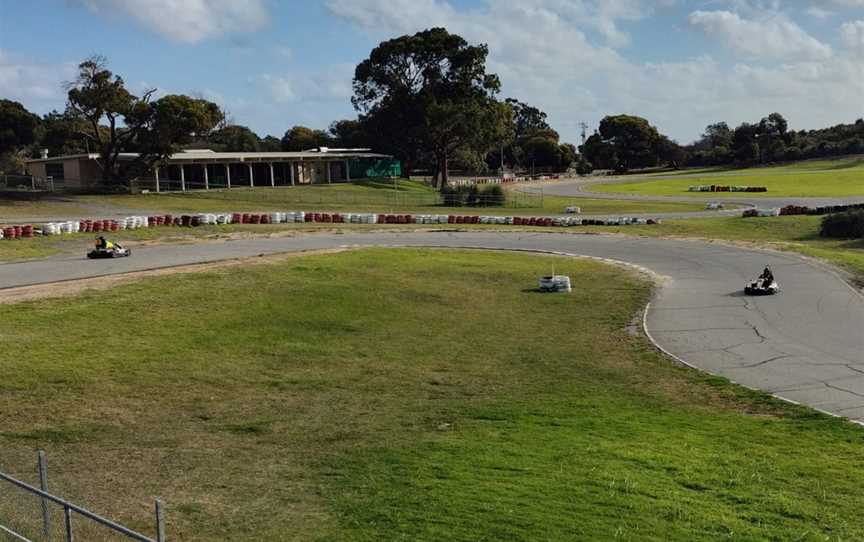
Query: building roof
(207, 155)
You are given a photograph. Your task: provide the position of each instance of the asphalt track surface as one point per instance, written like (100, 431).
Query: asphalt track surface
(805, 344)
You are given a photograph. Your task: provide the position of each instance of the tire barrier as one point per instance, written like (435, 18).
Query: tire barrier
(748, 213)
(793, 210)
(299, 217)
(726, 188)
(826, 210)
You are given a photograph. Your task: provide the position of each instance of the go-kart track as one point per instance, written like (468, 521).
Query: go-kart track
(805, 344)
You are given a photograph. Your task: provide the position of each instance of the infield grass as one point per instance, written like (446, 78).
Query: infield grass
(817, 178)
(405, 395)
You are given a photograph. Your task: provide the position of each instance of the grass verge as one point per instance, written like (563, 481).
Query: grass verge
(406, 395)
(823, 178)
(378, 196)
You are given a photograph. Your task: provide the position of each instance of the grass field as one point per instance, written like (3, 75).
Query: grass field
(816, 178)
(370, 396)
(411, 197)
(821, 164)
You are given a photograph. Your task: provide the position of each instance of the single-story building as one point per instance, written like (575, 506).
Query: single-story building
(205, 169)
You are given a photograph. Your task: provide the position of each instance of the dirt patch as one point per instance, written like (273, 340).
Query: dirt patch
(75, 287)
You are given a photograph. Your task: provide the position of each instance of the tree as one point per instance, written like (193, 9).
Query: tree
(431, 89)
(154, 129)
(599, 153)
(623, 142)
(271, 144)
(349, 134)
(301, 138)
(633, 139)
(235, 138)
(60, 133)
(527, 120)
(717, 135)
(668, 151)
(569, 155)
(744, 146)
(17, 126)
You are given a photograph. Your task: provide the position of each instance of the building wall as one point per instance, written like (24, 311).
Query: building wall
(36, 169)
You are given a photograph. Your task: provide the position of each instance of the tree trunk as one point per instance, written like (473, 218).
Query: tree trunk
(444, 171)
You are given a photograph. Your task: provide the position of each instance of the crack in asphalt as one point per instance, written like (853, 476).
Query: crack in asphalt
(764, 362)
(838, 388)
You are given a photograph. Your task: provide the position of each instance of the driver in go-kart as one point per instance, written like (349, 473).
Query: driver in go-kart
(101, 243)
(767, 275)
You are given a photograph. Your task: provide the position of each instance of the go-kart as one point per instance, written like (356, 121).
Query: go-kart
(762, 286)
(116, 252)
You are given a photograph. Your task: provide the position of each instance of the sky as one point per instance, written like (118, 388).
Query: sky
(272, 64)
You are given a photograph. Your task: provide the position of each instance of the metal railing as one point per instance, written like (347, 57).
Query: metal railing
(70, 510)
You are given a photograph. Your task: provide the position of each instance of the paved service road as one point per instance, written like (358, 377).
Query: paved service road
(806, 344)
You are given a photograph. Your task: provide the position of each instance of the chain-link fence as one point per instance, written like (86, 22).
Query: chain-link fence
(31, 514)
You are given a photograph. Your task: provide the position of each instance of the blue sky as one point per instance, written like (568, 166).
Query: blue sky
(273, 64)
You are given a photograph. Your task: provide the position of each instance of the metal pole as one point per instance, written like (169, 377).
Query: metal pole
(157, 179)
(160, 522)
(228, 174)
(251, 176)
(182, 178)
(43, 484)
(68, 514)
(206, 177)
(272, 176)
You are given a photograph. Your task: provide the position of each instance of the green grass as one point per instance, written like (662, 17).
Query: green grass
(406, 395)
(379, 196)
(14, 206)
(414, 198)
(820, 178)
(590, 206)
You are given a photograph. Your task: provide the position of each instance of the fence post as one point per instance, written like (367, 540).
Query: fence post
(68, 515)
(160, 522)
(43, 485)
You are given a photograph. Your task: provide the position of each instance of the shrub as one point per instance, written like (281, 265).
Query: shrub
(493, 195)
(844, 225)
(472, 196)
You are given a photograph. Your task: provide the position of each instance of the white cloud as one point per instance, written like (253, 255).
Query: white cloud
(39, 86)
(284, 52)
(331, 83)
(187, 21)
(820, 13)
(845, 3)
(551, 54)
(772, 36)
(852, 34)
(281, 90)
(600, 16)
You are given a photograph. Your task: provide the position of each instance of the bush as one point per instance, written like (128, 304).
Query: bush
(492, 196)
(843, 225)
(472, 196)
